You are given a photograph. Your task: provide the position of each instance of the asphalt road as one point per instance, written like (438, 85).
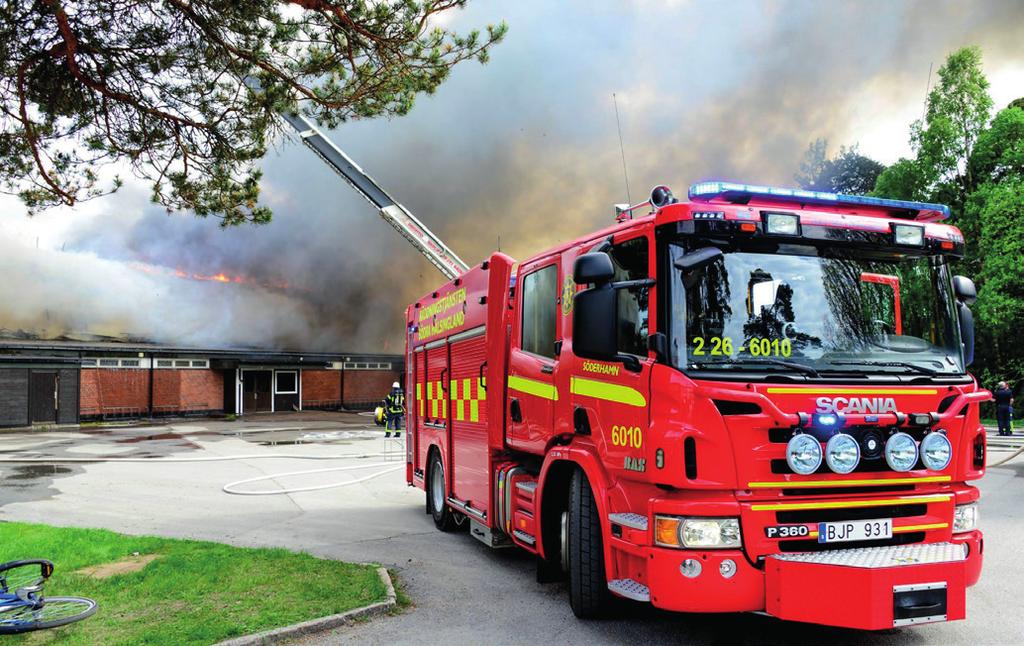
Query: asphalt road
(461, 591)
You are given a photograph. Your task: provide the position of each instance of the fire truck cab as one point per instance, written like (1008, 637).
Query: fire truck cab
(743, 402)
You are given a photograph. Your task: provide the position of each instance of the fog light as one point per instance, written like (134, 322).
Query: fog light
(936, 451)
(727, 568)
(782, 224)
(908, 235)
(803, 454)
(965, 517)
(690, 568)
(901, 452)
(842, 453)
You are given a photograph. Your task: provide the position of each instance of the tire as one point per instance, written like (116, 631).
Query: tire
(56, 611)
(588, 585)
(444, 517)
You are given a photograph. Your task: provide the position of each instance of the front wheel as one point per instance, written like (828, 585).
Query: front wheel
(588, 586)
(444, 517)
(55, 612)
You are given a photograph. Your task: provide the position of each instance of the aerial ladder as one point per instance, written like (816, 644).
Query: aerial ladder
(399, 217)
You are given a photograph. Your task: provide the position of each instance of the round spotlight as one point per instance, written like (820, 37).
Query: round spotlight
(936, 451)
(901, 452)
(662, 196)
(690, 568)
(727, 568)
(803, 454)
(842, 453)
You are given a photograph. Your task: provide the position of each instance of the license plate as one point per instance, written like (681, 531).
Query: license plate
(855, 530)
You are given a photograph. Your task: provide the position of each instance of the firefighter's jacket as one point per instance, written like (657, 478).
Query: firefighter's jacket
(395, 402)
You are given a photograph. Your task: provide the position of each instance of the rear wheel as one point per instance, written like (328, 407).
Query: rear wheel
(588, 587)
(444, 517)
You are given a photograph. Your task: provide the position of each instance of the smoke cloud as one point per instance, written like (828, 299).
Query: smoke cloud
(521, 154)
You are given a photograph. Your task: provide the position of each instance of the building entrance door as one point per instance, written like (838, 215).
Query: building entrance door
(257, 394)
(43, 397)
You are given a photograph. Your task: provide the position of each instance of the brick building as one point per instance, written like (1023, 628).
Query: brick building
(67, 382)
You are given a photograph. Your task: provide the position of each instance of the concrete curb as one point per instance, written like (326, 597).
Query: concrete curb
(323, 623)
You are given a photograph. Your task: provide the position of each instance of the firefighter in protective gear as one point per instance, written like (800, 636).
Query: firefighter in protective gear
(394, 409)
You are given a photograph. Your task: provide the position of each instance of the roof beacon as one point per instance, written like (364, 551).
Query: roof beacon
(742, 193)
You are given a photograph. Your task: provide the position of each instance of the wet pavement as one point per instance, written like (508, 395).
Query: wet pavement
(34, 482)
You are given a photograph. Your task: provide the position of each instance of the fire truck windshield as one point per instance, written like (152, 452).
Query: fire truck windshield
(812, 310)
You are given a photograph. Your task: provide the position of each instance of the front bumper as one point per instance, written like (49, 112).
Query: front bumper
(869, 588)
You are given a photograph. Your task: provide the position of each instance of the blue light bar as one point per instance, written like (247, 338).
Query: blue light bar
(707, 191)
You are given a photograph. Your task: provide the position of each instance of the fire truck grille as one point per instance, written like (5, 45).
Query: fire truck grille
(812, 545)
(857, 513)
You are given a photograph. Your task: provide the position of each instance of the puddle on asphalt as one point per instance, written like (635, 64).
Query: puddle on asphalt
(34, 471)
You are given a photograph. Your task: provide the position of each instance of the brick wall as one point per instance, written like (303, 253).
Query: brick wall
(112, 392)
(367, 387)
(321, 388)
(125, 393)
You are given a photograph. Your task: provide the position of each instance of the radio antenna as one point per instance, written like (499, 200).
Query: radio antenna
(927, 89)
(622, 149)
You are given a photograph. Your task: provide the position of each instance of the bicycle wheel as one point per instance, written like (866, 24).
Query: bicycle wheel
(55, 611)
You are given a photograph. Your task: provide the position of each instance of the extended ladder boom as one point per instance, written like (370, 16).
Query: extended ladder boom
(436, 251)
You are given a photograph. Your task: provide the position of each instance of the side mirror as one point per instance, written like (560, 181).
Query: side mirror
(964, 289)
(593, 329)
(698, 259)
(594, 267)
(966, 332)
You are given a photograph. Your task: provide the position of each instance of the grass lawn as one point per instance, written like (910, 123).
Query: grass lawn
(193, 593)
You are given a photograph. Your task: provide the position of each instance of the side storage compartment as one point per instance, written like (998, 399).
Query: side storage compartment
(470, 464)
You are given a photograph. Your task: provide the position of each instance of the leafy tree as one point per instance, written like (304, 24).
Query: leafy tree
(848, 172)
(1017, 103)
(959, 107)
(159, 87)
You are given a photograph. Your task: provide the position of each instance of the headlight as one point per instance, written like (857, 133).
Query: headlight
(842, 453)
(936, 451)
(803, 454)
(901, 452)
(694, 533)
(965, 517)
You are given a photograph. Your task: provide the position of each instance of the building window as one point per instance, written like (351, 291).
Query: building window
(108, 363)
(88, 363)
(164, 363)
(540, 311)
(351, 365)
(287, 382)
(200, 363)
(130, 363)
(182, 363)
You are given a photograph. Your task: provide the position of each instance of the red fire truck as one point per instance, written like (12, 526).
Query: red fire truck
(756, 400)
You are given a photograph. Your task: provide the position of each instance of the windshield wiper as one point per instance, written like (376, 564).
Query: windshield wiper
(887, 364)
(792, 365)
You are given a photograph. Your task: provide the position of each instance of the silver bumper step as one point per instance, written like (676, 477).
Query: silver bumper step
(630, 589)
(629, 519)
(882, 557)
(524, 537)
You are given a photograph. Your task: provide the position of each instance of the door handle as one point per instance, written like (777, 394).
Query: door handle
(481, 381)
(515, 411)
(546, 369)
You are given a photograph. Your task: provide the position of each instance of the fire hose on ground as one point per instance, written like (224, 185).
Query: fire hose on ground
(230, 488)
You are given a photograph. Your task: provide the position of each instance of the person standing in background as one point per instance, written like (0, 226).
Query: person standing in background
(394, 409)
(1004, 408)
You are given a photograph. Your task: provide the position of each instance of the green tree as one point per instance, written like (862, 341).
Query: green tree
(158, 86)
(848, 172)
(958, 108)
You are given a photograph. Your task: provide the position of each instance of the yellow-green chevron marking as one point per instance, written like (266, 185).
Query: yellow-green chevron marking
(607, 391)
(531, 387)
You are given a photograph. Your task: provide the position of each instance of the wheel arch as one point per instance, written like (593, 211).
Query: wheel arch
(555, 477)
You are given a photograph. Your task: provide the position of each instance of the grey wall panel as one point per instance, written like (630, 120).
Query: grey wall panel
(67, 396)
(13, 397)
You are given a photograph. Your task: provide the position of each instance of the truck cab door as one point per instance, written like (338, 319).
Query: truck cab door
(533, 359)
